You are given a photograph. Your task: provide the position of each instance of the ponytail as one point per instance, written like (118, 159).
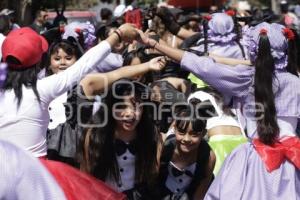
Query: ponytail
(238, 35)
(267, 126)
(293, 58)
(205, 34)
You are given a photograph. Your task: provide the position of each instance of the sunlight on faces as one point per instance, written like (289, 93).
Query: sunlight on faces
(127, 113)
(188, 140)
(60, 61)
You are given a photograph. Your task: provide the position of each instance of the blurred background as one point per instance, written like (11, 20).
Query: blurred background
(24, 10)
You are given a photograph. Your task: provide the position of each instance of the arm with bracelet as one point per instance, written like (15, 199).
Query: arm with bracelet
(171, 24)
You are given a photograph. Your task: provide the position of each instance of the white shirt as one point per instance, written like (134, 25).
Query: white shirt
(26, 126)
(57, 111)
(2, 37)
(111, 62)
(126, 163)
(57, 107)
(180, 183)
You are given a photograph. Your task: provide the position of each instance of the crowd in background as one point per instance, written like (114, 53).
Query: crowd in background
(152, 103)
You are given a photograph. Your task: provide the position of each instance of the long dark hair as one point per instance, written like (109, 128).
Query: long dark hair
(267, 126)
(205, 35)
(16, 78)
(237, 30)
(101, 151)
(293, 51)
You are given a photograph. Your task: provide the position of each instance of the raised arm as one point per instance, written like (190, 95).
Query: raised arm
(171, 24)
(175, 54)
(55, 85)
(229, 61)
(228, 80)
(94, 83)
(184, 33)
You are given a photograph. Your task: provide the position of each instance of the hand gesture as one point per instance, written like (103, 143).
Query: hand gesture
(128, 32)
(157, 64)
(144, 39)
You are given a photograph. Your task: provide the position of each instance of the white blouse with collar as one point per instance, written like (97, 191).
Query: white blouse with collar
(126, 163)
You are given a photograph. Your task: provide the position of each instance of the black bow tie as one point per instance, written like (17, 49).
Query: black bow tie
(176, 172)
(121, 147)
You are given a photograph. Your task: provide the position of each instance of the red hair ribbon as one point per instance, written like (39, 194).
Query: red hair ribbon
(289, 34)
(230, 13)
(263, 31)
(61, 29)
(78, 30)
(207, 17)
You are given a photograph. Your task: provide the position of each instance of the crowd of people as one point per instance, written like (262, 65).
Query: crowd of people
(155, 103)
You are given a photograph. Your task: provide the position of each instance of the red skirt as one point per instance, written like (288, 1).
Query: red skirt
(78, 185)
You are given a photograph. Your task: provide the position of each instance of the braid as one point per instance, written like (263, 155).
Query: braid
(238, 35)
(205, 34)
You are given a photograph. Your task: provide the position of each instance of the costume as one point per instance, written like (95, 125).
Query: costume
(126, 160)
(221, 41)
(222, 145)
(175, 183)
(244, 173)
(74, 111)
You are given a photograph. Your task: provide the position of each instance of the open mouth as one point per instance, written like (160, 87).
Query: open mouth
(129, 121)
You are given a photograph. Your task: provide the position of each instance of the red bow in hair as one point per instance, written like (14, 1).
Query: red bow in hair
(289, 34)
(273, 156)
(230, 13)
(263, 31)
(207, 17)
(78, 30)
(62, 29)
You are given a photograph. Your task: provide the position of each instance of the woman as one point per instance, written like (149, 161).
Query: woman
(270, 104)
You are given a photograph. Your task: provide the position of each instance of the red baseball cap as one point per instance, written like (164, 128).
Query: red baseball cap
(25, 45)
